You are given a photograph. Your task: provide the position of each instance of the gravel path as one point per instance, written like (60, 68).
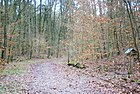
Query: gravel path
(52, 77)
(56, 77)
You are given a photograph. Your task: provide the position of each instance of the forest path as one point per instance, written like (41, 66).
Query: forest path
(55, 77)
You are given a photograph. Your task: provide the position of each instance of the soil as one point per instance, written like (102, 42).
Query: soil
(56, 77)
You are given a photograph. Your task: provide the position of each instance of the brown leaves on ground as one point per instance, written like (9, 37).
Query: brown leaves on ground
(55, 77)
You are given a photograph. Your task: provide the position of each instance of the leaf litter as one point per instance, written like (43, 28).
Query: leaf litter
(55, 77)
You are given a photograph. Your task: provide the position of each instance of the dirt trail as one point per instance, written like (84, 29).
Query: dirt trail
(51, 77)
(56, 77)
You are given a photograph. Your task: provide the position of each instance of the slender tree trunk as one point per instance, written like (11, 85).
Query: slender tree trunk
(5, 45)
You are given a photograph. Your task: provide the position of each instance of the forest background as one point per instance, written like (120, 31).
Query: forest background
(82, 30)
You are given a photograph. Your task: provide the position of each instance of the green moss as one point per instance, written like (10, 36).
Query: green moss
(12, 72)
(16, 68)
(81, 66)
(77, 65)
(72, 63)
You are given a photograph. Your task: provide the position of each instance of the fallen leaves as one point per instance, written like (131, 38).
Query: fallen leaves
(50, 76)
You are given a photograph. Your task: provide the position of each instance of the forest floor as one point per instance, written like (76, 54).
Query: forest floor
(54, 76)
